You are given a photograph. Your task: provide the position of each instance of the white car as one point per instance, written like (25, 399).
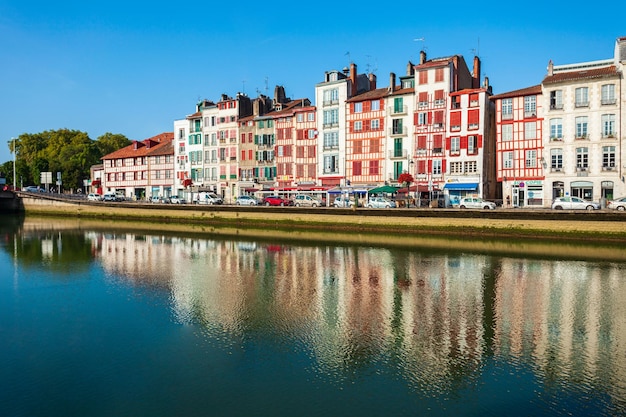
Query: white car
(343, 202)
(94, 197)
(380, 202)
(617, 204)
(574, 203)
(476, 203)
(246, 200)
(177, 200)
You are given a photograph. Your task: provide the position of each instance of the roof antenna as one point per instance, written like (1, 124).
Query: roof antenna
(423, 40)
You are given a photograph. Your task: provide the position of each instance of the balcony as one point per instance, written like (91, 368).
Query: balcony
(398, 132)
(556, 138)
(398, 154)
(558, 106)
(608, 168)
(582, 137)
(608, 136)
(397, 110)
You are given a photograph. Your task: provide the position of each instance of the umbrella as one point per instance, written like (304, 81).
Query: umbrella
(383, 189)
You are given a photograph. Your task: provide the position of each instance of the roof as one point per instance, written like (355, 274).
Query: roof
(584, 74)
(160, 144)
(535, 89)
(369, 95)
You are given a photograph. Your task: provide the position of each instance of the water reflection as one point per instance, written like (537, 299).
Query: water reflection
(440, 321)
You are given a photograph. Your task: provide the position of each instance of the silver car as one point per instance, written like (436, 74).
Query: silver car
(380, 202)
(574, 203)
(246, 200)
(302, 200)
(617, 204)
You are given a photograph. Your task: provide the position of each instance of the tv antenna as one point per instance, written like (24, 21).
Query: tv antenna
(423, 41)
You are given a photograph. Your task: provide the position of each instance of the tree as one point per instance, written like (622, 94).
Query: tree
(406, 179)
(110, 142)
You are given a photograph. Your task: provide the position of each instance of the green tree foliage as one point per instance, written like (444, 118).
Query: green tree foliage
(70, 152)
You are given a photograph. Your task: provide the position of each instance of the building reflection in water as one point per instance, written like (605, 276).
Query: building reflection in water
(434, 316)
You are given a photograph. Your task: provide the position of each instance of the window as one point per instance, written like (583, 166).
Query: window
(456, 167)
(507, 133)
(582, 97)
(423, 77)
(311, 134)
(473, 100)
(608, 125)
(530, 106)
(439, 101)
(582, 158)
(437, 167)
(375, 124)
(608, 94)
(438, 75)
(556, 129)
(473, 118)
(556, 100)
(581, 127)
(331, 140)
(608, 157)
(331, 96)
(310, 116)
(530, 130)
(375, 105)
(507, 159)
(397, 148)
(507, 108)
(331, 117)
(422, 118)
(357, 147)
(556, 159)
(531, 158)
(455, 121)
(455, 145)
(422, 99)
(397, 127)
(398, 105)
(358, 107)
(472, 145)
(331, 164)
(358, 126)
(421, 142)
(356, 167)
(374, 145)
(374, 168)
(470, 167)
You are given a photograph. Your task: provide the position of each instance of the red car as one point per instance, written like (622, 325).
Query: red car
(275, 200)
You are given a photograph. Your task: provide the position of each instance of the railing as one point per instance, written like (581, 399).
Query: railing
(398, 132)
(398, 155)
(395, 110)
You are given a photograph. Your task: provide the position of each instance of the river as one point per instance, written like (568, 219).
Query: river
(107, 321)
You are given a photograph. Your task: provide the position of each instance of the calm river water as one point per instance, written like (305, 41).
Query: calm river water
(111, 322)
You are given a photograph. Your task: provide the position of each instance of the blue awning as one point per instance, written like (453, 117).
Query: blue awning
(459, 186)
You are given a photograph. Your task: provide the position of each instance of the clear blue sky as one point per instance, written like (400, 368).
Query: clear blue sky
(134, 67)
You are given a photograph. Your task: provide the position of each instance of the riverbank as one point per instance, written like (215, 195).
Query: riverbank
(469, 224)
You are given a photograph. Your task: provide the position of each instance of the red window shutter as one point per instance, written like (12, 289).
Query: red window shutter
(438, 94)
(455, 120)
(430, 117)
(415, 119)
(421, 167)
(421, 142)
(437, 141)
(439, 116)
(423, 97)
(473, 117)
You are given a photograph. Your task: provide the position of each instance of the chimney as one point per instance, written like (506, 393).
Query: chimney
(476, 73)
(372, 81)
(410, 68)
(422, 57)
(550, 68)
(392, 82)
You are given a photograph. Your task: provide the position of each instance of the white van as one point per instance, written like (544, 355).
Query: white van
(208, 198)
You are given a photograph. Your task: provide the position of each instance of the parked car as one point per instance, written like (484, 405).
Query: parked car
(246, 200)
(208, 198)
(574, 203)
(276, 200)
(112, 197)
(94, 197)
(33, 189)
(177, 200)
(380, 202)
(343, 202)
(156, 199)
(476, 203)
(303, 200)
(617, 204)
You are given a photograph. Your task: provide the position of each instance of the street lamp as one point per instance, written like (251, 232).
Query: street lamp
(14, 160)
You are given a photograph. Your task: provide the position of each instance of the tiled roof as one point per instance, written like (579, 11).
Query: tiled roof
(195, 115)
(581, 75)
(160, 144)
(535, 89)
(369, 95)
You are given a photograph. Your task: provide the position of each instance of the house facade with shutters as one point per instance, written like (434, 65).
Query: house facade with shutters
(142, 169)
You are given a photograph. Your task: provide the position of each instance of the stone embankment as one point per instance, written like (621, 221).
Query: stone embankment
(599, 226)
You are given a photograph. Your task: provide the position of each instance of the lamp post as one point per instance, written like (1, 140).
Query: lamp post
(14, 160)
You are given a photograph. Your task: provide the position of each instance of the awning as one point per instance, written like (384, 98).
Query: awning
(383, 189)
(460, 186)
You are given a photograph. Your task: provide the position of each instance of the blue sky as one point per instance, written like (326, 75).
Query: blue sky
(134, 67)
